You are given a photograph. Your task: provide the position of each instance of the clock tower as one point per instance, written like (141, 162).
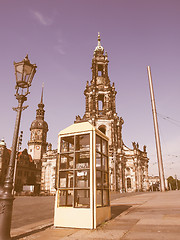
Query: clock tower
(39, 128)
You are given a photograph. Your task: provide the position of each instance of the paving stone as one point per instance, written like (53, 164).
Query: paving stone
(156, 228)
(97, 234)
(151, 236)
(51, 234)
(160, 221)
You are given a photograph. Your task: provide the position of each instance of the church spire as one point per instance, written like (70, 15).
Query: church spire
(99, 39)
(42, 93)
(99, 48)
(40, 111)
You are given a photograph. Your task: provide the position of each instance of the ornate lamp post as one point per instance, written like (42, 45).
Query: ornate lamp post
(24, 72)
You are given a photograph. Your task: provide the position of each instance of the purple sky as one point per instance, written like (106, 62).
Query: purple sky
(60, 37)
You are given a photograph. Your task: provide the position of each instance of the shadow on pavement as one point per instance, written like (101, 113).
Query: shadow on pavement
(115, 211)
(31, 232)
(115, 195)
(118, 209)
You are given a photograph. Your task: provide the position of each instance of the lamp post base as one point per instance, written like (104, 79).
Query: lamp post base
(6, 204)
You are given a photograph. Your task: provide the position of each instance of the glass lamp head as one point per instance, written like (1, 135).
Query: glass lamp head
(24, 72)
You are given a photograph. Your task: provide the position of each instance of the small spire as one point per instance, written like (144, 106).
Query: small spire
(99, 47)
(42, 93)
(99, 39)
(106, 56)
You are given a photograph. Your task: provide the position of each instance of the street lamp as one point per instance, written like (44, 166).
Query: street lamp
(19, 143)
(24, 72)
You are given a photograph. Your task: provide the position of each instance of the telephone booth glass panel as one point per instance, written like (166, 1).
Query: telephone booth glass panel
(74, 173)
(102, 173)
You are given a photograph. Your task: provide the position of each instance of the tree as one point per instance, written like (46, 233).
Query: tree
(173, 184)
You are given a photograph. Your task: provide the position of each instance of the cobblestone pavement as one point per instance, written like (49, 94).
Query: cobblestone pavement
(147, 216)
(28, 210)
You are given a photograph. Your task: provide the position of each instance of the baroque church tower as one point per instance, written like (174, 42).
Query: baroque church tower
(39, 128)
(128, 167)
(100, 110)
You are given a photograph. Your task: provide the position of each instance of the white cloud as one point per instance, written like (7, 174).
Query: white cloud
(59, 47)
(45, 21)
(60, 50)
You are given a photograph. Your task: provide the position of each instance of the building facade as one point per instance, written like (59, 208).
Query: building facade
(4, 161)
(26, 171)
(136, 168)
(48, 171)
(128, 167)
(154, 183)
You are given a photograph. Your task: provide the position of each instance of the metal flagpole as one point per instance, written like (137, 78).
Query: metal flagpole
(156, 130)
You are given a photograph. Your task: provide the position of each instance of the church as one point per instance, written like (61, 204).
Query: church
(128, 166)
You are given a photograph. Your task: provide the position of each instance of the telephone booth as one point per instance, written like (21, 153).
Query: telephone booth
(82, 178)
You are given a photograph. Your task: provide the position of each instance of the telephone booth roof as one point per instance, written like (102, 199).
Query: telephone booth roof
(81, 127)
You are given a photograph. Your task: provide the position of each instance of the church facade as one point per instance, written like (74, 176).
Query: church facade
(128, 167)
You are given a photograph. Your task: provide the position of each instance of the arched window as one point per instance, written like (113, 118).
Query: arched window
(128, 171)
(100, 105)
(128, 183)
(100, 102)
(102, 128)
(100, 70)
